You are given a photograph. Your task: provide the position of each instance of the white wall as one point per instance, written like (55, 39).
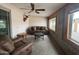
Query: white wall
(17, 24)
(37, 21)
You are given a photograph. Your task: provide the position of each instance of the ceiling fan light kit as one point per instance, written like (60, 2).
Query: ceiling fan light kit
(25, 18)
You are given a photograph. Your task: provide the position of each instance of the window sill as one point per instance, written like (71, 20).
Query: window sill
(75, 42)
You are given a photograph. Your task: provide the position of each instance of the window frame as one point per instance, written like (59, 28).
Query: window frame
(8, 20)
(68, 20)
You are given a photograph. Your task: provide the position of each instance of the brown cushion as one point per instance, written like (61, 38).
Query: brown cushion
(32, 28)
(6, 43)
(42, 28)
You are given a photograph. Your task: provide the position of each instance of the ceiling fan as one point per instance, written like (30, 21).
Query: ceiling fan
(33, 9)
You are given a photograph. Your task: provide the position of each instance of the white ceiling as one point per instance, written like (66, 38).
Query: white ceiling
(49, 8)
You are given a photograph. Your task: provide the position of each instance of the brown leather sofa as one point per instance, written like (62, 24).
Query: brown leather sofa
(15, 47)
(33, 29)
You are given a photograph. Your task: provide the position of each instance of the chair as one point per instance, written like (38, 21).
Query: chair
(15, 47)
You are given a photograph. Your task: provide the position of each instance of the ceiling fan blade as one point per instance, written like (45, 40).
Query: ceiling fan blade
(37, 12)
(32, 5)
(40, 9)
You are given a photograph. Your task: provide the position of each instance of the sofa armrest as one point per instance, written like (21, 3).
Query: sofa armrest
(23, 48)
(17, 40)
(3, 52)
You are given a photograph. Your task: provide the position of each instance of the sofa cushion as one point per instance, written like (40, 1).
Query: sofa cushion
(42, 28)
(32, 28)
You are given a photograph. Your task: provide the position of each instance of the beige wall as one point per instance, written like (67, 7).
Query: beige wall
(17, 24)
(37, 21)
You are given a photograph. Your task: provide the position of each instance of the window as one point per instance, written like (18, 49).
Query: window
(5, 22)
(52, 23)
(2, 24)
(73, 26)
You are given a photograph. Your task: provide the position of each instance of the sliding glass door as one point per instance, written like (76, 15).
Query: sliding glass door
(4, 22)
